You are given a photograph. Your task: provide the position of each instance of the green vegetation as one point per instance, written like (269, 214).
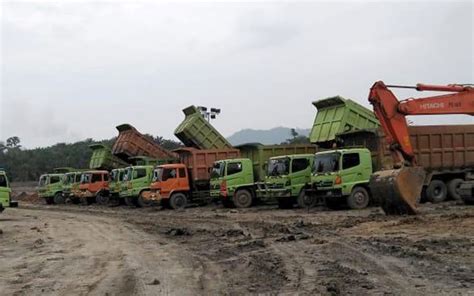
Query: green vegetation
(29, 164)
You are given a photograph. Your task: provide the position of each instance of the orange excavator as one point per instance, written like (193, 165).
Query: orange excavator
(399, 190)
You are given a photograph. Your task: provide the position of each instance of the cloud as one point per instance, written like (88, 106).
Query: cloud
(72, 70)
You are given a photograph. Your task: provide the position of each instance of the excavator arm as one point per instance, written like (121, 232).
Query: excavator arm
(402, 186)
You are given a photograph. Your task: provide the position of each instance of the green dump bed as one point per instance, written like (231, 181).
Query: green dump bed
(196, 132)
(338, 115)
(259, 154)
(103, 159)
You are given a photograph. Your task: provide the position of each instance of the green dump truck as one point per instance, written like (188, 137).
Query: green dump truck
(241, 182)
(338, 115)
(5, 192)
(50, 187)
(115, 183)
(341, 176)
(197, 132)
(71, 183)
(136, 180)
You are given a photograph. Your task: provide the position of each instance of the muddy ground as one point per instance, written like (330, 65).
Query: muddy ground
(78, 250)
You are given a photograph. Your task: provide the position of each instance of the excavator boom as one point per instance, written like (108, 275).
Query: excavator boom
(401, 187)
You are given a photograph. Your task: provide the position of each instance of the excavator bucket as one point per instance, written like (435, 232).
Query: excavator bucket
(398, 191)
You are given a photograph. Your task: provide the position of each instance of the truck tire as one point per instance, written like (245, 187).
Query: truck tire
(142, 202)
(59, 199)
(437, 191)
(178, 201)
(358, 199)
(102, 198)
(130, 201)
(305, 201)
(242, 199)
(453, 187)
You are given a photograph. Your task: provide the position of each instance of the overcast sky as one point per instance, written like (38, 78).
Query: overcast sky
(75, 70)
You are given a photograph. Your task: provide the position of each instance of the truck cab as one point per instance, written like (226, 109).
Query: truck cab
(116, 178)
(233, 181)
(342, 176)
(94, 185)
(170, 185)
(50, 187)
(71, 183)
(136, 181)
(5, 192)
(286, 178)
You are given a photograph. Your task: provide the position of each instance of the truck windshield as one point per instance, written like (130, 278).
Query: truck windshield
(114, 176)
(217, 170)
(86, 178)
(278, 167)
(43, 180)
(69, 179)
(326, 163)
(3, 181)
(128, 174)
(157, 174)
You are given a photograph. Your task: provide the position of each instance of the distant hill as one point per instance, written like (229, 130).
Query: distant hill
(275, 135)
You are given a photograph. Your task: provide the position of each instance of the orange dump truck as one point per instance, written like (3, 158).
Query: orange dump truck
(130, 143)
(175, 185)
(94, 187)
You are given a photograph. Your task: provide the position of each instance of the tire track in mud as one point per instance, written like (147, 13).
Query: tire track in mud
(265, 251)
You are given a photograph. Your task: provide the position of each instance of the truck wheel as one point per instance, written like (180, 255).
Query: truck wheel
(359, 198)
(436, 192)
(242, 199)
(306, 201)
(453, 187)
(130, 201)
(102, 198)
(142, 202)
(49, 200)
(285, 203)
(178, 201)
(59, 199)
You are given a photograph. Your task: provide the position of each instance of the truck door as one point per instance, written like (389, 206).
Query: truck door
(352, 171)
(300, 174)
(169, 181)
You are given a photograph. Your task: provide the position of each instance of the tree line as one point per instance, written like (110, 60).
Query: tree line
(29, 164)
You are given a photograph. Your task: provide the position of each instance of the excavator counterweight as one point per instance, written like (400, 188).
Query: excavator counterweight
(399, 190)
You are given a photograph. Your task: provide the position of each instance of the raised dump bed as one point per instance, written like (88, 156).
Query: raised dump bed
(338, 115)
(259, 154)
(197, 132)
(130, 143)
(103, 159)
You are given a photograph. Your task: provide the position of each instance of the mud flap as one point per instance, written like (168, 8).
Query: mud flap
(398, 191)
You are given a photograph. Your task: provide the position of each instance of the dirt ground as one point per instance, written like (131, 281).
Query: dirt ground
(78, 250)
